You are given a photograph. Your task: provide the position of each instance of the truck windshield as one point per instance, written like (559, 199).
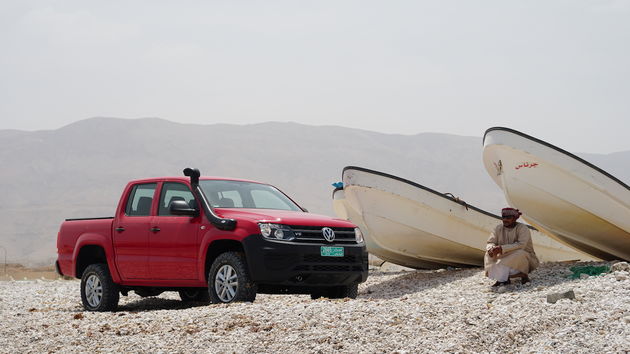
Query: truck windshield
(237, 194)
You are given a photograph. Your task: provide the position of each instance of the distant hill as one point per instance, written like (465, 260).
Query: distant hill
(81, 169)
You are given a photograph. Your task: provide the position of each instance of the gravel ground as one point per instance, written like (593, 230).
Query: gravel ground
(405, 311)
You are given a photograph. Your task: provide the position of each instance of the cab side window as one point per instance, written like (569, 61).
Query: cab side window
(140, 200)
(174, 191)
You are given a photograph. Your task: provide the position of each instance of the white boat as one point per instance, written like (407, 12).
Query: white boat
(411, 225)
(573, 200)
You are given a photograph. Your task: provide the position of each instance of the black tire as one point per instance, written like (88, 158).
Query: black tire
(98, 290)
(229, 280)
(347, 291)
(195, 295)
(337, 292)
(316, 294)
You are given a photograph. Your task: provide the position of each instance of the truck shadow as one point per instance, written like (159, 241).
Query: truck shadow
(156, 303)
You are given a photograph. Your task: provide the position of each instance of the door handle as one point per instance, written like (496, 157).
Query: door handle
(155, 229)
(120, 229)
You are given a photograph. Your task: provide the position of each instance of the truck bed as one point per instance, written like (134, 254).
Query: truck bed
(77, 232)
(99, 218)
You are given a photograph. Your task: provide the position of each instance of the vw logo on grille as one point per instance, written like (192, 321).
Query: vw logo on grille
(329, 234)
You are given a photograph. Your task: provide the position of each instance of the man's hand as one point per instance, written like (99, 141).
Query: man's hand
(495, 251)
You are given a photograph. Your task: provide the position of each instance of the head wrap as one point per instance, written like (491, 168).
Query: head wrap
(510, 212)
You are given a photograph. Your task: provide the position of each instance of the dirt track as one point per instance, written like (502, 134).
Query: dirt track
(20, 272)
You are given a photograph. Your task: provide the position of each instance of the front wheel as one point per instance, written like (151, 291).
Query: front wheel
(229, 281)
(98, 290)
(337, 292)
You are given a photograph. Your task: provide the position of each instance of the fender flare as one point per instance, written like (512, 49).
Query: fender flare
(94, 239)
(211, 236)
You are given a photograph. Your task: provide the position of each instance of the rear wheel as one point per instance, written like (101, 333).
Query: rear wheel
(195, 295)
(229, 281)
(98, 290)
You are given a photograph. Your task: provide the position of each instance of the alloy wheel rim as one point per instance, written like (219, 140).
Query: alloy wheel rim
(226, 283)
(93, 290)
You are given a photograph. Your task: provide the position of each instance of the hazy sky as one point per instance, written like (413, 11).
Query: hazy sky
(558, 70)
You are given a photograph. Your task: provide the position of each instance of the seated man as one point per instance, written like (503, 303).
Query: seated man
(510, 252)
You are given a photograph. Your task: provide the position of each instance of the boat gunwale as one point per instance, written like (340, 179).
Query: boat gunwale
(400, 179)
(414, 184)
(544, 143)
(336, 189)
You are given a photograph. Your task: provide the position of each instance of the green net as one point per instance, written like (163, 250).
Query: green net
(590, 270)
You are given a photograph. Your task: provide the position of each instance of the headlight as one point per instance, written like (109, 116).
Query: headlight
(265, 229)
(276, 231)
(358, 236)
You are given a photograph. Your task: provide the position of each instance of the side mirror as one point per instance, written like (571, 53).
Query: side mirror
(180, 207)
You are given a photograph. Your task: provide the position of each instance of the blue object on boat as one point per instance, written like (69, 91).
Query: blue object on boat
(338, 184)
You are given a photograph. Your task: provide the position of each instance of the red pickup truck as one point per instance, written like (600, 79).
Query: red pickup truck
(215, 240)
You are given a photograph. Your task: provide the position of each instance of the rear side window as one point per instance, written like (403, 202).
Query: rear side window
(175, 191)
(140, 200)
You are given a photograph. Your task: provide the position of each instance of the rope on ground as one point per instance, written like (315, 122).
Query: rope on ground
(589, 270)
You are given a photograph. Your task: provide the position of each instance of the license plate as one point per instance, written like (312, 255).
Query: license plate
(327, 251)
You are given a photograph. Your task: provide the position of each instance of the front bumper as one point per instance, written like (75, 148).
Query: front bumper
(289, 263)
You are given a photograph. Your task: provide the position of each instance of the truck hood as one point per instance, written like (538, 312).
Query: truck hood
(285, 217)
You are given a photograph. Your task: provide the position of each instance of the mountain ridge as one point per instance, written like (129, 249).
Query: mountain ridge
(80, 170)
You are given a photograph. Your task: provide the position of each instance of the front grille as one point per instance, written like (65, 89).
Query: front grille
(331, 268)
(317, 263)
(327, 268)
(313, 234)
(313, 258)
(277, 261)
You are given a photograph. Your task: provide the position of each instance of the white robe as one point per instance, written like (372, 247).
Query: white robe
(518, 250)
